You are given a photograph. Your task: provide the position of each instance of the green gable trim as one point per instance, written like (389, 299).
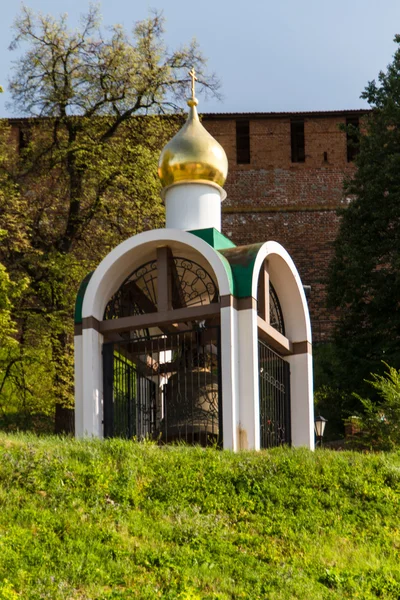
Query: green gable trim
(80, 296)
(216, 240)
(241, 260)
(238, 260)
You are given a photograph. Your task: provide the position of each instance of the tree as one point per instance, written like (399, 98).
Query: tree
(380, 423)
(13, 237)
(364, 280)
(87, 160)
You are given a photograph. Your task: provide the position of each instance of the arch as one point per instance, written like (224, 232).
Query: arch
(286, 281)
(117, 265)
(275, 311)
(138, 294)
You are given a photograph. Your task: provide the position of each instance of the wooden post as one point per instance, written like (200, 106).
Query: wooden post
(263, 291)
(164, 296)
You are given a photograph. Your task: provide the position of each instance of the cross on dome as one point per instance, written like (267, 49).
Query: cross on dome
(192, 75)
(193, 154)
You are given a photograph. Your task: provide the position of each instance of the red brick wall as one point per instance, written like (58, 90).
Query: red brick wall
(292, 203)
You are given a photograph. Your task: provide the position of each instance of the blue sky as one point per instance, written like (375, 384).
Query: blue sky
(270, 56)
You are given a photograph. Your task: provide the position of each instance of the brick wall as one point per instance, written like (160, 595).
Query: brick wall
(273, 198)
(292, 203)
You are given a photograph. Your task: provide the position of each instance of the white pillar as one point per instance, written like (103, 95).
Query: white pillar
(191, 206)
(230, 378)
(249, 380)
(301, 400)
(78, 386)
(92, 368)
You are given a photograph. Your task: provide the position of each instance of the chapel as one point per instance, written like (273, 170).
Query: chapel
(182, 336)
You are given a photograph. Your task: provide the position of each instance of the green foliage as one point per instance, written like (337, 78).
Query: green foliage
(380, 422)
(120, 520)
(84, 179)
(7, 326)
(329, 399)
(365, 272)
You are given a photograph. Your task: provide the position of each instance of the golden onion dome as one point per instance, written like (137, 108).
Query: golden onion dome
(193, 154)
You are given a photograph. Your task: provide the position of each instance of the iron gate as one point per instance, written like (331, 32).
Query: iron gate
(165, 387)
(275, 427)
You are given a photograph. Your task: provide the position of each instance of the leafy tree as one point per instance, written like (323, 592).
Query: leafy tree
(86, 168)
(365, 272)
(380, 422)
(12, 238)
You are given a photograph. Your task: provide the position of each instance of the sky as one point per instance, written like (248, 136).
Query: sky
(278, 56)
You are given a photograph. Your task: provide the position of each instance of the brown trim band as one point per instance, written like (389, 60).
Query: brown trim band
(156, 319)
(273, 338)
(246, 303)
(91, 323)
(302, 347)
(228, 301)
(78, 329)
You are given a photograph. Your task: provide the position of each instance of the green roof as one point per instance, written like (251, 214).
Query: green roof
(217, 240)
(80, 296)
(238, 260)
(214, 238)
(241, 260)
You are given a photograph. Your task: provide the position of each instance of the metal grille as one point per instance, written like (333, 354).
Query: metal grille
(275, 311)
(274, 398)
(193, 285)
(165, 387)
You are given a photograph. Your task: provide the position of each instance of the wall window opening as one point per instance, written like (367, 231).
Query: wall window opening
(352, 141)
(243, 142)
(23, 139)
(297, 140)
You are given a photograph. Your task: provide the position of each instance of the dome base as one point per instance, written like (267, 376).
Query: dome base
(193, 205)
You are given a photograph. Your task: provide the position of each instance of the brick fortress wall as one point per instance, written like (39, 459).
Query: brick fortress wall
(293, 203)
(274, 198)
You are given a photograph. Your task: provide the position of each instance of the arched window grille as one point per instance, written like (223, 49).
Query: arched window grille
(191, 285)
(275, 311)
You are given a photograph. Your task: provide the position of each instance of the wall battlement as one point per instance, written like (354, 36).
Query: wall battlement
(288, 189)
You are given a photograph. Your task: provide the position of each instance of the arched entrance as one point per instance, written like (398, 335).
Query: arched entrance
(163, 382)
(274, 370)
(152, 311)
(285, 351)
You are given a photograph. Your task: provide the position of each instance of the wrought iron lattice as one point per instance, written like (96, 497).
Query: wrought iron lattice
(275, 311)
(197, 285)
(166, 387)
(131, 297)
(275, 427)
(193, 285)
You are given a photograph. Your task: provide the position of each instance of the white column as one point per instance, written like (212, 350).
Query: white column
(249, 380)
(78, 386)
(230, 378)
(92, 414)
(301, 400)
(193, 205)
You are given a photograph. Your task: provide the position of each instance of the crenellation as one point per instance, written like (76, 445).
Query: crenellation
(294, 204)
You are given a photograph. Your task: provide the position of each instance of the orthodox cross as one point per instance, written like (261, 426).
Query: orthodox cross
(192, 75)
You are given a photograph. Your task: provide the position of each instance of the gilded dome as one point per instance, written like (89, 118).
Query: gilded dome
(193, 154)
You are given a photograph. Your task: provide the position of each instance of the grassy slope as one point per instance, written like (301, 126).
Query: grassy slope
(117, 520)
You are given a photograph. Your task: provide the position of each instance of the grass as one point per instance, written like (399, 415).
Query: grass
(117, 520)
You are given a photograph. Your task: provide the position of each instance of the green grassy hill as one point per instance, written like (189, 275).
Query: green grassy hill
(119, 520)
